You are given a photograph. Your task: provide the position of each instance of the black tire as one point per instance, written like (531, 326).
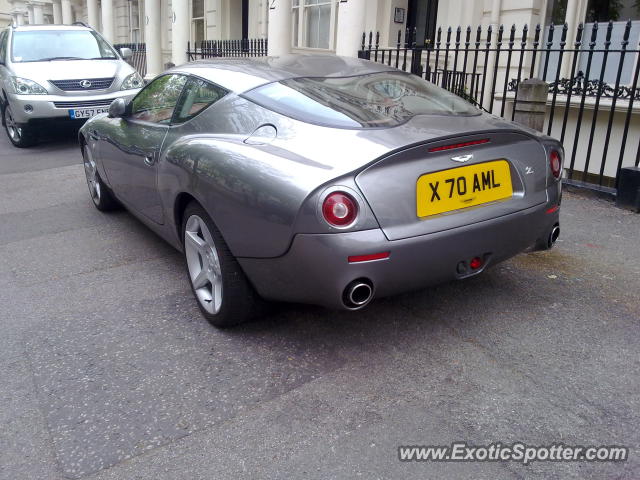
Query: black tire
(19, 136)
(239, 302)
(102, 197)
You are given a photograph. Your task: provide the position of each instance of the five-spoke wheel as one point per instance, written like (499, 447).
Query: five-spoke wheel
(101, 196)
(203, 264)
(224, 294)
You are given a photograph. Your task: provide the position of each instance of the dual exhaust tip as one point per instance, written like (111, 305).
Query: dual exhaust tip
(357, 294)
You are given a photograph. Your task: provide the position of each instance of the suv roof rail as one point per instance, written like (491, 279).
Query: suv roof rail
(82, 24)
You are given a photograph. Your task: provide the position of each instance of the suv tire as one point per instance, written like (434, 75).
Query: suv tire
(20, 137)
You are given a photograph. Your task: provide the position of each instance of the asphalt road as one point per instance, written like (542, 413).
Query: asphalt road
(107, 370)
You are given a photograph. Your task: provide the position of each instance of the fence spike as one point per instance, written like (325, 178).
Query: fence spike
(579, 36)
(552, 29)
(594, 35)
(536, 38)
(525, 31)
(467, 40)
(500, 32)
(478, 35)
(609, 29)
(627, 31)
(489, 32)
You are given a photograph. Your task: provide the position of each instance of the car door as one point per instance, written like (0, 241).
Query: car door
(131, 152)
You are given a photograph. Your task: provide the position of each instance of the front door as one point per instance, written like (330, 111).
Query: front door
(421, 15)
(131, 155)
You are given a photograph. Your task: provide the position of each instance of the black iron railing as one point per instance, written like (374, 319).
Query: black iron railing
(247, 47)
(593, 84)
(139, 58)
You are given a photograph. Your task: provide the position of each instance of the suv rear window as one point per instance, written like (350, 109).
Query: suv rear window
(365, 101)
(43, 45)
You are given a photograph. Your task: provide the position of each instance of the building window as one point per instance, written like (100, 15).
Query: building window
(197, 21)
(314, 24)
(134, 22)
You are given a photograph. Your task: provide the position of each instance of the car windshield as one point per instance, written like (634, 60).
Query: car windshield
(50, 45)
(365, 101)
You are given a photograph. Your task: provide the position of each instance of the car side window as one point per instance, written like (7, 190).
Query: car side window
(198, 95)
(157, 101)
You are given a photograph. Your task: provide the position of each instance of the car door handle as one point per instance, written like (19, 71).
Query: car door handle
(149, 160)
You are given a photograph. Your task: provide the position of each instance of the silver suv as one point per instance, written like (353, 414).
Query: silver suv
(60, 73)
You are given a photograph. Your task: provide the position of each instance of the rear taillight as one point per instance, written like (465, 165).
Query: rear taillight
(555, 163)
(339, 209)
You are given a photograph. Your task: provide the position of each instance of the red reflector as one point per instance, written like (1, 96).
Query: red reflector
(368, 258)
(459, 145)
(475, 263)
(554, 209)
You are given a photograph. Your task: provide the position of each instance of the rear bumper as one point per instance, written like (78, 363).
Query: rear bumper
(44, 108)
(315, 270)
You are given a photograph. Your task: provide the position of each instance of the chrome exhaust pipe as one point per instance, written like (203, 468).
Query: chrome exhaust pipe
(357, 294)
(553, 236)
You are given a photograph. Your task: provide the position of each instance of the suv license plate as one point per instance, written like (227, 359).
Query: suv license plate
(87, 112)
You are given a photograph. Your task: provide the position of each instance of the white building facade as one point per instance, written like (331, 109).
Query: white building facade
(295, 25)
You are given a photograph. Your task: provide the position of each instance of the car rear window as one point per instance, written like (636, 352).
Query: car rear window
(364, 101)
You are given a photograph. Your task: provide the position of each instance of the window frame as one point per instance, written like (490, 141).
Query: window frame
(303, 12)
(174, 120)
(192, 30)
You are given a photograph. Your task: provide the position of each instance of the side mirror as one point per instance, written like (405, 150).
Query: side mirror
(118, 108)
(126, 53)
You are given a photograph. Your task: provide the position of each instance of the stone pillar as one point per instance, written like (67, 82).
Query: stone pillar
(57, 12)
(107, 20)
(351, 22)
(153, 37)
(179, 31)
(30, 14)
(67, 14)
(38, 14)
(92, 14)
(532, 103)
(280, 27)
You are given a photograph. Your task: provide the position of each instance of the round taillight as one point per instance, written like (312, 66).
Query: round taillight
(339, 209)
(555, 162)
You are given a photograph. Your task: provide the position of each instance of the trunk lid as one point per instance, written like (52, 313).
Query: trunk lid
(412, 191)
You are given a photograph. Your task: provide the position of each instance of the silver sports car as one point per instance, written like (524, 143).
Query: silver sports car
(320, 179)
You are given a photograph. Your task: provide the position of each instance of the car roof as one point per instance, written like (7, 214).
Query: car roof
(22, 28)
(242, 74)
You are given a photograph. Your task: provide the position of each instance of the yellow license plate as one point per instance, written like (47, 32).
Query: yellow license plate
(463, 187)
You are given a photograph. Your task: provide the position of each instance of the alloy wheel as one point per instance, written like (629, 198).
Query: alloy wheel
(203, 264)
(15, 132)
(91, 172)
